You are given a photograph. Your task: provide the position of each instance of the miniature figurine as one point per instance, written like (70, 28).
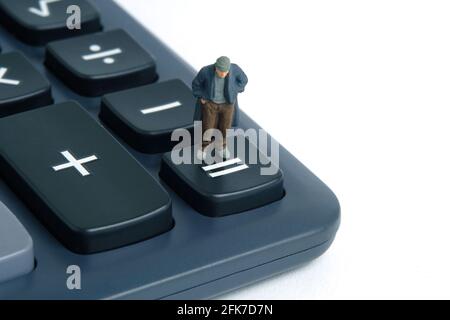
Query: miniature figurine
(216, 87)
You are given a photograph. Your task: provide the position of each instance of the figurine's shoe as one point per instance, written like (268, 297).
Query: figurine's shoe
(223, 153)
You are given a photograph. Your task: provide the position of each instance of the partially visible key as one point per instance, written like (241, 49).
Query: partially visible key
(37, 22)
(16, 247)
(79, 181)
(22, 87)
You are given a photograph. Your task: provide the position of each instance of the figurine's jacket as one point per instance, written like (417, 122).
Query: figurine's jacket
(203, 87)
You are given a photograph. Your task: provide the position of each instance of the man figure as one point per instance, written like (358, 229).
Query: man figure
(216, 87)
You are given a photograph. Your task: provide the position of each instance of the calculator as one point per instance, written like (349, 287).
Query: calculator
(93, 205)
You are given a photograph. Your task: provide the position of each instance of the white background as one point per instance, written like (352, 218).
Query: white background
(359, 91)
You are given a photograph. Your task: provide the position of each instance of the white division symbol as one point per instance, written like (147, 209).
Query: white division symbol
(7, 81)
(234, 165)
(74, 163)
(98, 54)
(43, 10)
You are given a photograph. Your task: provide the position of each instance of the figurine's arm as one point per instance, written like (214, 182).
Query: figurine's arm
(241, 79)
(198, 85)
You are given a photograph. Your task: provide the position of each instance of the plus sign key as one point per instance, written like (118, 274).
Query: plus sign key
(37, 22)
(22, 87)
(101, 63)
(79, 181)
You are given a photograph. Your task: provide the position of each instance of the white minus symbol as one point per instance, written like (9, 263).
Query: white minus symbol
(104, 54)
(168, 106)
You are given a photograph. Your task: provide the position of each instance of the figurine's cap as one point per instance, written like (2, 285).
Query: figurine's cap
(223, 64)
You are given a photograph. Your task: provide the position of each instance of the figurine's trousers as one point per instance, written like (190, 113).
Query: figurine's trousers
(216, 116)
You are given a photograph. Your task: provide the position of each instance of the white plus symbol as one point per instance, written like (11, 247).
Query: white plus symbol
(77, 164)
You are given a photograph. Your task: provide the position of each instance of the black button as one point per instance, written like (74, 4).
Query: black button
(96, 64)
(227, 187)
(22, 87)
(83, 185)
(37, 22)
(145, 117)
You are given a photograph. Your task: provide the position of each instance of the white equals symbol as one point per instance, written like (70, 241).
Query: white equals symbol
(234, 165)
(98, 54)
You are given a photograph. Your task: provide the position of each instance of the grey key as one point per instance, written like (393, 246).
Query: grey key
(16, 247)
